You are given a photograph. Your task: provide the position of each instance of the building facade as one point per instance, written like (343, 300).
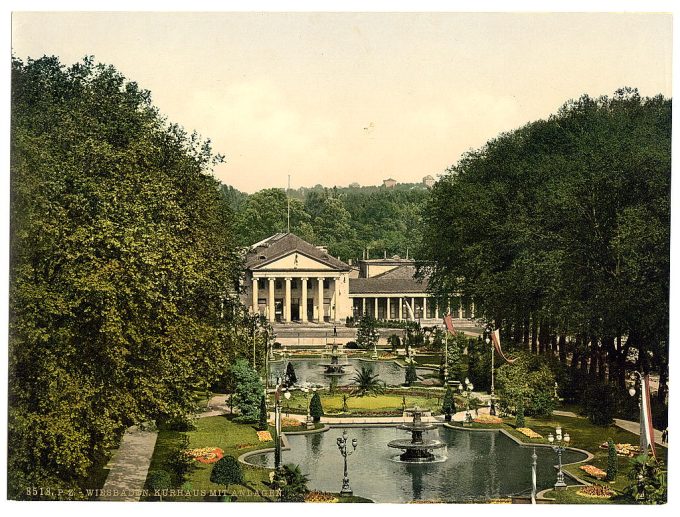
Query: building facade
(289, 280)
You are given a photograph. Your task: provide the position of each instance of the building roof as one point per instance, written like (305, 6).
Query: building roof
(397, 280)
(281, 244)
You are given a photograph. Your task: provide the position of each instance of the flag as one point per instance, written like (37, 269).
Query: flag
(646, 426)
(448, 321)
(496, 338)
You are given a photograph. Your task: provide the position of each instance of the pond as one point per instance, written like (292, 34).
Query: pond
(478, 465)
(311, 371)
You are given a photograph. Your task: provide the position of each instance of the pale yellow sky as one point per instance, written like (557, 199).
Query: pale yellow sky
(335, 98)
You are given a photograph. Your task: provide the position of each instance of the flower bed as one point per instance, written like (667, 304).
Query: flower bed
(599, 491)
(528, 432)
(289, 422)
(623, 449)
(320, 497)
(488, 419)
(205, 454)
(264, 436)
(593, 471)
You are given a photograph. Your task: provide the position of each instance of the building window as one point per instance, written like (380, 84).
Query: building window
(326, 283)
(278, 284)
(293, 284)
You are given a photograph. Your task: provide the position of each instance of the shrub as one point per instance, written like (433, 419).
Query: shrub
(315, 407)
(519, 416)
(411, 373)
(262, 424)
(648, 481)
(227, 472)
(448, 404)
(612, 462)
(159, 480)
(277, 345)
(180, 462)
(528, 381)
(352, 345)
(291, 377)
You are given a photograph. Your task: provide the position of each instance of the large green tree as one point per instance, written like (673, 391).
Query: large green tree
(560, 233)
(123, 270)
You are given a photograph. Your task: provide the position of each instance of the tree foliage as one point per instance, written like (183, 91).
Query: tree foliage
(528, 383)
(367, 332)
(123, 269)
(411, 375)
(448, 404)
(315, 407)
(560, 233)
(247, 391)
(366, 383)
(227, 471)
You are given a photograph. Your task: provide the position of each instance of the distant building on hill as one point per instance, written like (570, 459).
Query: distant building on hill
(428, 181)
(389, 183)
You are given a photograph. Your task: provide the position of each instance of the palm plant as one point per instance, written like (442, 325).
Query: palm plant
(366, 383)
(293, 484)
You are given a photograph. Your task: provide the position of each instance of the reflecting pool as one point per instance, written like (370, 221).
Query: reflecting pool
(478, 465)
(310, 370)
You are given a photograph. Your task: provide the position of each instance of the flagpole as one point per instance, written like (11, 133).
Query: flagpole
(288, 201)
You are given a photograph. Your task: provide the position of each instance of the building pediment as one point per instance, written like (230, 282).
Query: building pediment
(294, 261)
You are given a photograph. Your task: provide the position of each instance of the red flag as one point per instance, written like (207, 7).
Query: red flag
(496, 338)
(646, 426)
(448, 321)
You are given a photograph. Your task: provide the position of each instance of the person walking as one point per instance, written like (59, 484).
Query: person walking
(664, 436)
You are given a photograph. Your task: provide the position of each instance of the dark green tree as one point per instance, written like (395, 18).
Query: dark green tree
(367, 332)
(122, 267)
(248, 391)
(290, 378)
(227, 471)
(448, 404)
(158, 481)
(292, 483)
(411, 373)
(262, 423)
(315, 407)
(648, 483)
(612, 461)
(519, 414)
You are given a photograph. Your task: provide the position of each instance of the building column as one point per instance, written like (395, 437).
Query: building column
(413, 307)
(303, 303)
(320, 297)
(472, 309)
(255, 308)
(424, 307)
(286, 302)
(272, 309)
(336, 298)
(460, 308)
(388, 315)
(400, 312)
(363, 306)
(375, 307)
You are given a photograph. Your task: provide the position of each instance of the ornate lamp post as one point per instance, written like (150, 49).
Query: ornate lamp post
(277, 420)
(559, 443)
(533, 476)
(467, 390)
(342, 446)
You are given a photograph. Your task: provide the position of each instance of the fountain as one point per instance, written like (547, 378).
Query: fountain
(416, 450)
(335, 367)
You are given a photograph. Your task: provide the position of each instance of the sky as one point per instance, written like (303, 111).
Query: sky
(336, 98)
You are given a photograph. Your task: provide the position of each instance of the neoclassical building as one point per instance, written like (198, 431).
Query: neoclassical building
(290, 280)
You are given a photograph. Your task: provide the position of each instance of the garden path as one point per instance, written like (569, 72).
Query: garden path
(634, 427)
(129, 466)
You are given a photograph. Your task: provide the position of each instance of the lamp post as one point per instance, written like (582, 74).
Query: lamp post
(533, 476)
(559, 443)
(342, 446)
(467, 390)
(277, 420)
(310, 421)
(492, 405)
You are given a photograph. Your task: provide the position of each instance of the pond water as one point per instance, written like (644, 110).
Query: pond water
(478, 465)
(310, 370)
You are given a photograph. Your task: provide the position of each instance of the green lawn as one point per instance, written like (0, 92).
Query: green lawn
(218, 431)
(388, 404)
(587, 436)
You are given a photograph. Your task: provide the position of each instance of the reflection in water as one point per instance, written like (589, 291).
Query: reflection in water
(309, 370)
(478, 465)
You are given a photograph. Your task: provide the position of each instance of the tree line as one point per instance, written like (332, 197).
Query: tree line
(560, 232)
(348, 220)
